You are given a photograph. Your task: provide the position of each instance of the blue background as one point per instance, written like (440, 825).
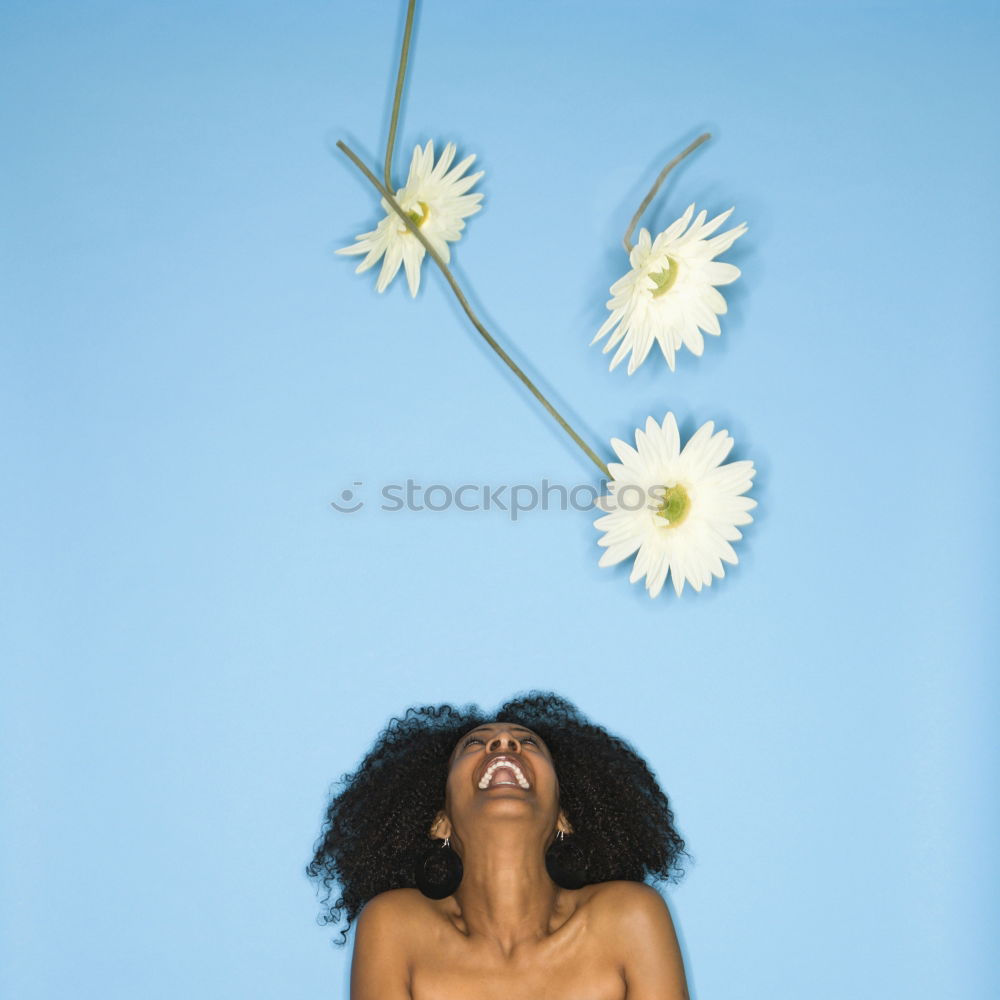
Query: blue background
(198, 644)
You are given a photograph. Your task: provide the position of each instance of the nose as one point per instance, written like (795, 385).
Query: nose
(504, 741)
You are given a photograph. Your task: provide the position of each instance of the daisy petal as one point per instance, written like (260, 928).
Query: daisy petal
(669, 295)
(435, 197)
(676, 509)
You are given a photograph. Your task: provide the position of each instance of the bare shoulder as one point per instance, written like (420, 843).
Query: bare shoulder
(635, 920)
(630, 912)
(388, 934)
(395, 907)
(624, 899)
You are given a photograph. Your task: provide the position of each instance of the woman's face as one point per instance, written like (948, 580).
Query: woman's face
(498, 771)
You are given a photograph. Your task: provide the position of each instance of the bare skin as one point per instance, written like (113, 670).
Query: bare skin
(509, 930)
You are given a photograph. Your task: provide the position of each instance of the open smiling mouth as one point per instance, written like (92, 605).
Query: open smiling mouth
(503, 771)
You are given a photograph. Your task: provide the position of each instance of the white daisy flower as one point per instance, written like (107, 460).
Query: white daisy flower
(435, 198)
(669, 295)
(676, 509)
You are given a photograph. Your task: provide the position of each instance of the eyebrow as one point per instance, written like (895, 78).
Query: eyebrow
(520, 729)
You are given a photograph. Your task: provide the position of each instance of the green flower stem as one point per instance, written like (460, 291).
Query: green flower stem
(656, 187)
(473, 318)
(404, 55)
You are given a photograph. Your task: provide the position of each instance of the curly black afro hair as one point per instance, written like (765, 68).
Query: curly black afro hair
(377, 823)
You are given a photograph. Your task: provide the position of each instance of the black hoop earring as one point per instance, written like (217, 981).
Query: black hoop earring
(439, 871)
(564, 865)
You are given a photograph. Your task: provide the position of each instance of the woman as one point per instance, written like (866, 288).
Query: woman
(546, 827)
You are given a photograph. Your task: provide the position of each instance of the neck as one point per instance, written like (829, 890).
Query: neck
(506, 893)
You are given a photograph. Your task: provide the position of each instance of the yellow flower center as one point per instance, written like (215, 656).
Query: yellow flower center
(676, 505)
(664, 280)
(419, 215)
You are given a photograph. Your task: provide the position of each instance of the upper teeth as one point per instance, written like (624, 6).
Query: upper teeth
(507, 763)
